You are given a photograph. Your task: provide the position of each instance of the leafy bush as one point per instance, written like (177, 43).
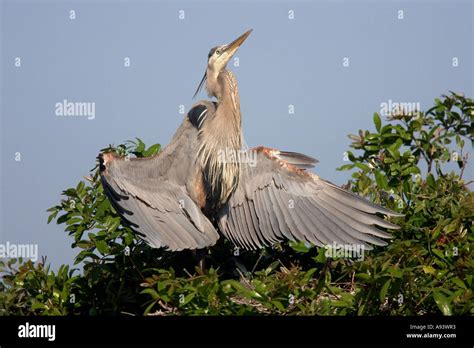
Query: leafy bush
(427, 268)
(35, 289)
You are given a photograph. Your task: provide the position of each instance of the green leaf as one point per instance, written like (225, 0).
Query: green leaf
(151, 292)
(278, 305)
(377, 122)
(438, 253)
(429, 269)
(459, 141)
(80, 186)
(187, 299)
(38, 305)
(459, 283)
(387, 129)
(371, 147)
(52, 216)
(140, 146)
(381, 180)
(411, 170)
(102, 208)
(442, 303)
(102, 246)
(363, 167)
(128, 238)
(114, 226)
(271, 268)
(84, 244)
(430, 180)
(149, 307)
(393, 149)
(300, 247)
(363, 276)
(383, 291)
(73, 221)
(152, 150)
(62, 219)
(345, 167)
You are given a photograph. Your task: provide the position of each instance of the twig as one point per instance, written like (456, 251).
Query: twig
(135, 266)
(249, 285)
(258, 260)
(166, 307)
(464, 163)
(187, 272)
(283, 266)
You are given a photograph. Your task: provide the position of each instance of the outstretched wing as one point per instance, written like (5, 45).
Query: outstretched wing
(152, 194)
(277, 199)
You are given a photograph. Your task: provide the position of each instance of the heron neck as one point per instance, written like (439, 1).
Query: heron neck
(229, 100)
(221, 141)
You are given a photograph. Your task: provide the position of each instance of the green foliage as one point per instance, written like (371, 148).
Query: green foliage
(427, 268)
(35, 289)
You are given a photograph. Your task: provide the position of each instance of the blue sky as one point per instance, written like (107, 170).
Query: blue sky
(284, 62)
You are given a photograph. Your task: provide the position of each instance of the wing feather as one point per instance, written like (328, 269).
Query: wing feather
(250, 223)
(152, 194)
(284, 201)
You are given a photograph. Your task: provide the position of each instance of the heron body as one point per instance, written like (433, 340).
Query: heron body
(219, 133)
(182, 197)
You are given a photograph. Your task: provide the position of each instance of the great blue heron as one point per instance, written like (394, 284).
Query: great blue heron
(181, 197)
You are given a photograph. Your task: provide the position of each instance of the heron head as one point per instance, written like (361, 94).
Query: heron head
(218, 58)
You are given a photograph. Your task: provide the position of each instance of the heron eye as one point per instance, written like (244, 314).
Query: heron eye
(218, 52)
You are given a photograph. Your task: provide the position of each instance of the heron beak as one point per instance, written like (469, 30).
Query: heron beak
(229, 51)
(200, 84)
(231, 48)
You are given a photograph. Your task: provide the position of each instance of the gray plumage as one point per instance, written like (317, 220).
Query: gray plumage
(181, 197)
